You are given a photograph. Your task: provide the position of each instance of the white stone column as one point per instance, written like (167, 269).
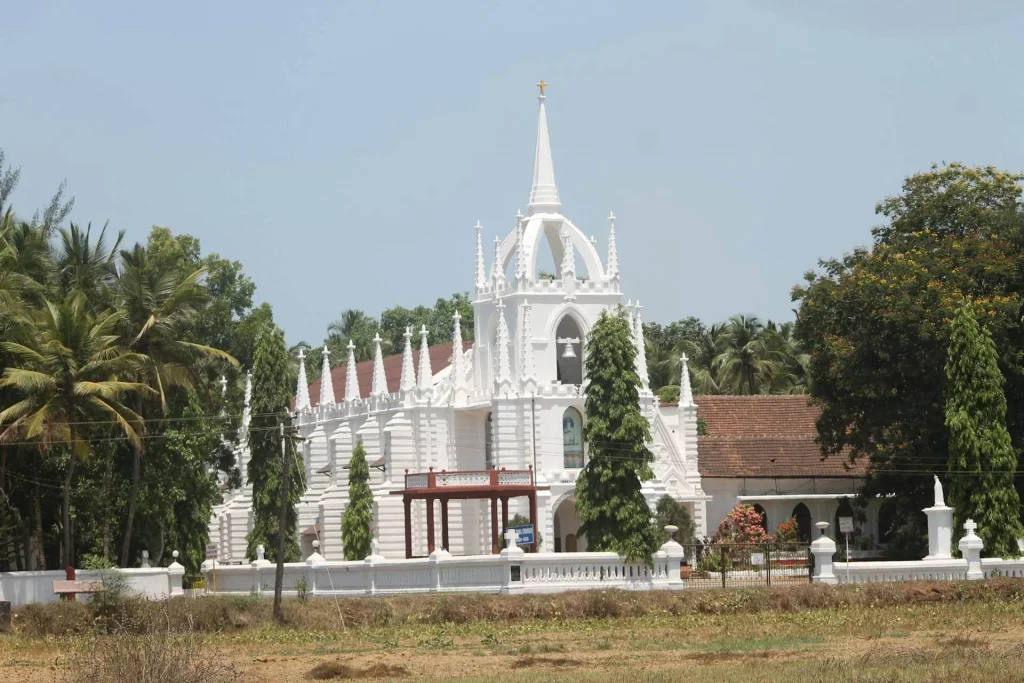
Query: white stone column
(940, 527)
(823, 549)
(970, 547)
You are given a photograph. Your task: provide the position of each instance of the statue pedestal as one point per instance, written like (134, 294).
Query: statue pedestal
(940, 532)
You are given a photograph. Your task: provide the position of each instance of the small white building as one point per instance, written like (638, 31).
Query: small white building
(510, 400)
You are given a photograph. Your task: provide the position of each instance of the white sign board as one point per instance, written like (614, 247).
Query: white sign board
(211, 551)
(757, 559)
(846, 525)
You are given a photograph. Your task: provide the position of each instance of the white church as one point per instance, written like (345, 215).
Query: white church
(508, 408)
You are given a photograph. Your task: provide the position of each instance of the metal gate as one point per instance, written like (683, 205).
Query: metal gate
(734, 565)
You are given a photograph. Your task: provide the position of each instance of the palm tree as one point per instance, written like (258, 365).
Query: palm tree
(66, 367)
(791, 374)
(745, 364)
(704, 378)
(356, 326)
(158, 306)
(80, 265)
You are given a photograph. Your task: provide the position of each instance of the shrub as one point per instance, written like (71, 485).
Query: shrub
(788, 534)
(165, 657)
(670, 511)
(742, 525)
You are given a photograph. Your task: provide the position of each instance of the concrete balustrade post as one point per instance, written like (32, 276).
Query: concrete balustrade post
(823, 548)
(970, 547)
(175, 577)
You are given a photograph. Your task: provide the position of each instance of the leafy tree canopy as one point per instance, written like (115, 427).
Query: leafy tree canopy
(876, 322)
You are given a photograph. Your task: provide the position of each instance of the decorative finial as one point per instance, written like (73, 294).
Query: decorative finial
(541, 84)
(223, 385)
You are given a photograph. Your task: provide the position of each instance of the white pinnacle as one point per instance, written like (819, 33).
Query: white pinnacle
(379, 386)
(528, 369)
(247, 402)
(302, 390)
(326, 381)
(458, 354)
(544, 193)
(426, 376)
(481, 273)
(641, 352)
(351, 378)
(497, 272)
(502, 366)
(613, 252)
(520, 248)
(408, 381)
(568, 254)
(685, 391)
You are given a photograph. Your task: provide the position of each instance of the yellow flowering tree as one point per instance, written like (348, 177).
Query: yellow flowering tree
(877, 323)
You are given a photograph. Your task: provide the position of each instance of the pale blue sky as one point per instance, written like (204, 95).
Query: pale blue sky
(344, 150)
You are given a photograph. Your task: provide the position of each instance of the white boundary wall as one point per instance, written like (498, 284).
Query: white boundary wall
(508, 573)
(22, 588)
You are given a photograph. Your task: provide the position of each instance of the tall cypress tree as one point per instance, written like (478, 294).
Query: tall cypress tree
(355, 525)
(615, 515)
(982, 462)
(271, 402)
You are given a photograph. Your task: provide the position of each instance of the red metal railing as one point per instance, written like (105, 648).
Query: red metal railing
(468, 478)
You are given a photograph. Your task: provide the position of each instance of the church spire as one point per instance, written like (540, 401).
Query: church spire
(544, 193)
(302, 389)
(685, 391)
(247, 403)
(481, 272)
(497, 273)
(568, 255)
(351, 378)
(502, 365)
(326, 381)
(458, 357)
(613, 252)
(426, 376)
(641, 351)
(379, 385)
(520, 248)
(408, 381)
(527, 363)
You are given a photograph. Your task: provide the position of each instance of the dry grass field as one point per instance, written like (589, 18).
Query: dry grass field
(900, 632)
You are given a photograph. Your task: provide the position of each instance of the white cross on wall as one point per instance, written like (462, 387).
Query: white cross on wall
(970, 526)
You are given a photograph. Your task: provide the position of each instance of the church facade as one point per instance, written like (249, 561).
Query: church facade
(512, 399)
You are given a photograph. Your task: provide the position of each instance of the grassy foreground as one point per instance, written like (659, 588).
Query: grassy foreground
(898, 632)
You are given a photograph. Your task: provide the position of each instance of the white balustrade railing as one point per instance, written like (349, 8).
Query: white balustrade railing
(463, 479)
(505, 573)
(917, 570)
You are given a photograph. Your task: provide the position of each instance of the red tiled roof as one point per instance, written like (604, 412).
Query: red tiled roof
(765, 436)
(440, 358)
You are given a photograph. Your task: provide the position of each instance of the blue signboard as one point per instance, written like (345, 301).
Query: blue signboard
(524, 534)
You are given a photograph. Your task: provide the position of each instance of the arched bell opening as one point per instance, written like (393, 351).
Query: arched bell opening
(569, 351)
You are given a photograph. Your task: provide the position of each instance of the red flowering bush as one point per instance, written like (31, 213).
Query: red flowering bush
(742, 525)
(788, 533)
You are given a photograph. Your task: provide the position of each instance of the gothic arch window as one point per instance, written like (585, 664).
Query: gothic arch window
(569, 351)
(844, 510)
(764, 515)
(803, 522)
(572, 439)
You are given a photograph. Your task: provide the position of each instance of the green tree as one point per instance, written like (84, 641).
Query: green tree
(356, 533)
(614, 513)
(876, 323)
(66, 367)
(982, 462)
(271, 400)
(670, 511)
(159, 304)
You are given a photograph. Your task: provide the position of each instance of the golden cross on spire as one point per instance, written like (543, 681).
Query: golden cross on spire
(542, 85)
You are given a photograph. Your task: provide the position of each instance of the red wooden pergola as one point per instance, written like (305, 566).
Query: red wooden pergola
(495, 485)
